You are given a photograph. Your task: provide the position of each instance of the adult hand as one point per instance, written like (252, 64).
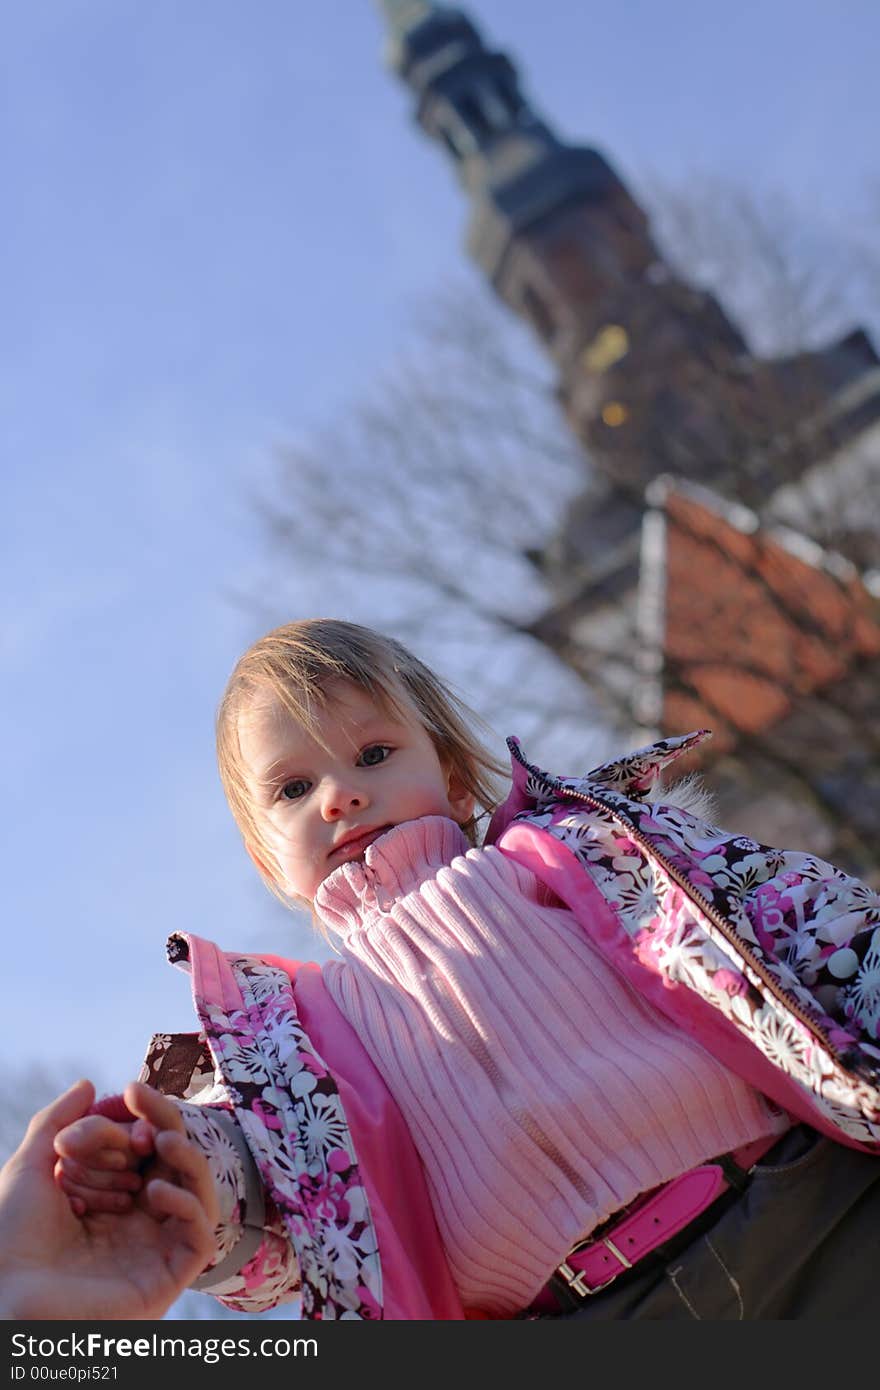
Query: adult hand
(129, 1264)
(101, 1162)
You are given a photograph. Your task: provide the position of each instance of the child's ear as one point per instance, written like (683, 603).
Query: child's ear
(461, 801)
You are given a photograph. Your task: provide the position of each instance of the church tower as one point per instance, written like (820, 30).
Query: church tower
(653, 375)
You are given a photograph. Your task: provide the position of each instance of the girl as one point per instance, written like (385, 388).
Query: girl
(583, 1069)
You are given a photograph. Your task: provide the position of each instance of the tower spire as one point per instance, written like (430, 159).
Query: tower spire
(404, 14)
(468, 96)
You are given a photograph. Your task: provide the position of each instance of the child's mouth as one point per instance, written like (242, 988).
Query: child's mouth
(355, 847)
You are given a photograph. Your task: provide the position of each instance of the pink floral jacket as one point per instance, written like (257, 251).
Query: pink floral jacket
(771, 958)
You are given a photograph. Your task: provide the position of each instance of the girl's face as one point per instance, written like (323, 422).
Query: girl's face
(319, 807)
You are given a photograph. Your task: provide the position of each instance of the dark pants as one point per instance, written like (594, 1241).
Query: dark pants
(803, 1241)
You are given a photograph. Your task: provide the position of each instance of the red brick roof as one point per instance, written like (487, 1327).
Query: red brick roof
(748, 621)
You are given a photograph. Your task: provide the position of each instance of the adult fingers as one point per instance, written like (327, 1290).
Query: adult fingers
(158, 1110)
(64, 1110)
(192, 1201)
(193, 1168)
(193, 1244)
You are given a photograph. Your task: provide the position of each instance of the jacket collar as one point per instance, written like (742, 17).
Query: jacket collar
(633, 775)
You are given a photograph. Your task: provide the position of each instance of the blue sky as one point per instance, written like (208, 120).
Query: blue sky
(217, 221)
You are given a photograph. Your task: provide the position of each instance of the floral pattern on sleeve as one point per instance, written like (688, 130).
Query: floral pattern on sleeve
(180, 1065)
(290, 1112)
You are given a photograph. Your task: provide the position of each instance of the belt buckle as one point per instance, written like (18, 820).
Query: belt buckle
(575, 1278)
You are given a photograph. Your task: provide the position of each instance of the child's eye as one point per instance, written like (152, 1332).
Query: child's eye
(293, 790)
(376, 753)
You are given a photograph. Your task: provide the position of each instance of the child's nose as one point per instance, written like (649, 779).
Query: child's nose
(340, 798)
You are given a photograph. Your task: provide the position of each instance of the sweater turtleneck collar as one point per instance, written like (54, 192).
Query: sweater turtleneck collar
(398, 862)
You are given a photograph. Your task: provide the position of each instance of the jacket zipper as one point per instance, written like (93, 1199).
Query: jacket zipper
(852, 1060)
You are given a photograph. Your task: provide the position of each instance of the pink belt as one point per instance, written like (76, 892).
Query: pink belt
(647, 1223)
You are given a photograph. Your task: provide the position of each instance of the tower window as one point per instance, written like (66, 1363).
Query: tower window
(473, 113)
(538, 312)
(614, 413)
(457, 137)
(511, 100)
(610, 344)
(498, 107)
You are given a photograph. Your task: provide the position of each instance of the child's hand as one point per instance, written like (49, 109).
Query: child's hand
(101, 1161)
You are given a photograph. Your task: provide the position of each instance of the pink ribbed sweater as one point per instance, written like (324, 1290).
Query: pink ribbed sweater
(541, 1092)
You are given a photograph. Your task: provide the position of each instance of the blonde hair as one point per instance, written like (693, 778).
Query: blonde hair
(297, 662)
